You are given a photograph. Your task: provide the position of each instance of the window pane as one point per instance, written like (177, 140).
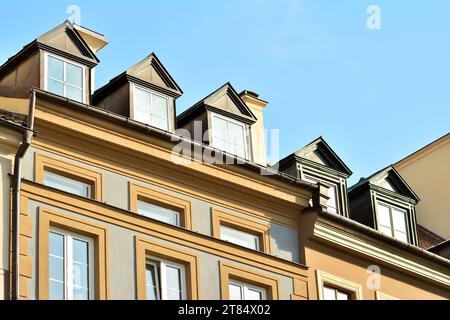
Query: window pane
(56, 87)
(80, 251)
(56, 290)
(398, 218)
(142, 115)
(329, 293)
(229, 136)
(342, 296)
(235, 292)
(238, 237)
(56, 268)
(74, 75)
(66, 184)
(55, 68)
(142, 100)
(173, 283)
(56, 244)
(251, 294)
(236, 134)
(80, 293)
(331, 203)
(384, 218)
(159, 123)
(74, 93)
(401, 236)
(152, 282)
(159, 106)
(158, 213)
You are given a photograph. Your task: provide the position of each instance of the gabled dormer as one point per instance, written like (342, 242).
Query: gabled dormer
(222, 120)
(385, 202)
(60, 61)
(317, 162)
(146, 92)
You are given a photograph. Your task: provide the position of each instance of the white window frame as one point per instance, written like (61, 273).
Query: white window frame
(135, 86)
(83, 67)
(310, 178)
(68, 262)
(336, 292)
(391, 218)
(330, 280)
(245, 287)
(258, 237)
(89, 195)
(239, 123)
(161, 277)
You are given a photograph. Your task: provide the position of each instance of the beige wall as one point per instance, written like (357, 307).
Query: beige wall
(428, 174)
(351, 268)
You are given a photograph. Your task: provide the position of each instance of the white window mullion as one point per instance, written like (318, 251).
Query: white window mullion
(163, 281)
(69, 268)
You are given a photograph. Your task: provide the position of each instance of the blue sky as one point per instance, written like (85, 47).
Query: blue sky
(375, 95)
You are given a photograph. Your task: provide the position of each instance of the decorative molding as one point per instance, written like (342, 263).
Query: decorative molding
(100, 235)
(228, 271)
(146, 247)
(324, 279)
(362, 245)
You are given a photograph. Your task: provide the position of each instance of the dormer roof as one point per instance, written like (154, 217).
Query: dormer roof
(149, 72)
(387, 179)
(224, 100)
(63, 40)
(319, 153)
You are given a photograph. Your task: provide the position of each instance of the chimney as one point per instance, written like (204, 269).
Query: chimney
(258, 137)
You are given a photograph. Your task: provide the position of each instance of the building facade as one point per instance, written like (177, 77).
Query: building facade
(120, 198)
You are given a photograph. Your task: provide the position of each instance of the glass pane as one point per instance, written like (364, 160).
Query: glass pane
(55, 68)
(331, 203)
(342, 296)
(329, 293)
(80, 251)
(152, 283)
(238, 237)
(159, 106)
(383, 216)
(235, 292)
(56, 244)
(220, 129)
(142, 115)
(158, 213)
(398, 218)
(66, 184)
(401, 236)
(385, 230)
(251, 294)
(80, 293)
(74, 75)
(173, 283)
(236, 134)
(56, 290)
(80, 275)
(142, 100)
(56, 268)
(55, 87)
(159, 123)
(74, 93)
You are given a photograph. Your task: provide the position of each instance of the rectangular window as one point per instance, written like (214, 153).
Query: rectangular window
(151, 108)
(229, 135)
(165, 280)
(65, 78)
(243, 291)
(245, 239)
(70, 266)
(332, 204)
(152, 211)
(392, 221)
(330, 293)
(66, 184)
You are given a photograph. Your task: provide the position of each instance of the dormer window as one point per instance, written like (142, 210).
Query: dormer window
(65, 78)
(229, 135)
(332, 203)
(392, 221)
(151, 108)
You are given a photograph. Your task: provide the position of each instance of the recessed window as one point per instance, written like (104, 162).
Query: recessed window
(151, 108)
(392, 221)
(229, 135)
(165, 280)
(242, 238)
(244, 291)
(70, 266)
(332, 205)
(63, 183)
(330, 293)
(65, 78)
(153, 211)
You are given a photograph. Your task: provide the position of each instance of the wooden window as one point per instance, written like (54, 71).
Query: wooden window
(246, 284)
(241, 231)
(68, 177)
(331, 287)
(73, 258)
(165, 272)
(160, 206)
